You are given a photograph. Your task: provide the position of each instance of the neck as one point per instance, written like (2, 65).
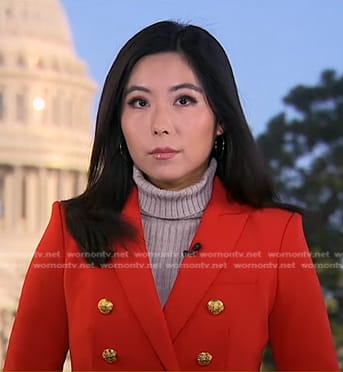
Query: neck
(175, 204)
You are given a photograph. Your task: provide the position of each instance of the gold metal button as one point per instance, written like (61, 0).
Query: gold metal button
(110, 355)
(204, 358)
(105, 306)
(215, 307)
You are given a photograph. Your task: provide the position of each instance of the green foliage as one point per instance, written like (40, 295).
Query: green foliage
(304, 150)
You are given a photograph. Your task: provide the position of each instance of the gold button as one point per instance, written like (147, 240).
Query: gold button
(215, 307)
(105, 306)
(110, 355)
(204, 358)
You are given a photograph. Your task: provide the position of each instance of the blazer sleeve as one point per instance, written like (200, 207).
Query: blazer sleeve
(39, 338)
(300, 331)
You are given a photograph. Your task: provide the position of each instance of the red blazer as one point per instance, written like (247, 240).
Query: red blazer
(256, 262)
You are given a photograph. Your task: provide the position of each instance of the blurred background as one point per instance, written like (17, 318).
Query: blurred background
(54, 56)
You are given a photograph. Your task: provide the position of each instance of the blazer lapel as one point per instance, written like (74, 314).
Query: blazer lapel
(218, 232)
(138, 283)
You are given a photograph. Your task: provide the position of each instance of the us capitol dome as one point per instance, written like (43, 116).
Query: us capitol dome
(46, 97)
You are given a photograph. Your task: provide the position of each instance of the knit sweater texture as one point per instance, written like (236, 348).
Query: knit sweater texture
(170, 220)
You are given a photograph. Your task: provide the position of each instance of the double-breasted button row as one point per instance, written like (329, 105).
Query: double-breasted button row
(215, 307)
(105, 306)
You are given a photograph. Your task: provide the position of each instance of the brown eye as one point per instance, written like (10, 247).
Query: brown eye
(185, 100)
(141, 102)
(138, 102)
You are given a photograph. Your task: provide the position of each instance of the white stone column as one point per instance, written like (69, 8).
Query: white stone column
(81, 182)
(2, 198)
(52, 191)
(67, 184)
(42, 196)
(17, 199)
(32, 204)
(48, 193)
(9, 202)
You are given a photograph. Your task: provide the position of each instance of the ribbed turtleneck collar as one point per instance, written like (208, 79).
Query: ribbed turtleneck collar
(189, 202)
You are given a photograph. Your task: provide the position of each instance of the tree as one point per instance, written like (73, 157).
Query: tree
(303, 147)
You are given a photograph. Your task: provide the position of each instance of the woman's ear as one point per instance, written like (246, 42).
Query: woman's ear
(219, 130)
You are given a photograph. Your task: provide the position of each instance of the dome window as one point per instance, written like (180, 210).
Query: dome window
(40, 63)
(8, 13)
(55, 65)
(24, 13)
(2, 106)
(21, 61)
(20, 107)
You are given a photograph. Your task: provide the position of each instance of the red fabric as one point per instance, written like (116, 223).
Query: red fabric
(268, 297)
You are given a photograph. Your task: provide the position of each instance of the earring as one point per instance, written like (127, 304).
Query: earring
(219, 148)
(123, 151)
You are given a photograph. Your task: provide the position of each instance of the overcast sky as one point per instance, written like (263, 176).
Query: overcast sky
(272, 45)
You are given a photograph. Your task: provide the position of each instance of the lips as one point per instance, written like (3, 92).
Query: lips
(163, 150)
(163, 153)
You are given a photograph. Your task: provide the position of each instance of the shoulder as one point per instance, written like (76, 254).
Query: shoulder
(57, 215)
(272, 222)
(56, 236)
(280, 229)
(57, 221)
(273, 217)
(226, 204)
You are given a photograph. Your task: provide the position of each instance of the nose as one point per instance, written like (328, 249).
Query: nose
(161, 123)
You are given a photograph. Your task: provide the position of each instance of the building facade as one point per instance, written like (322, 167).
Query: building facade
(46, 98)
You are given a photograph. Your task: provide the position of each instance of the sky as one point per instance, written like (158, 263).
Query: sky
(272, 45)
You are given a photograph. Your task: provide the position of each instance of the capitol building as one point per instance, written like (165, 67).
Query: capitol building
(46, 97)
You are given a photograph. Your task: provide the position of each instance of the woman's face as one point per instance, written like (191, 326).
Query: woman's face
(168, 125)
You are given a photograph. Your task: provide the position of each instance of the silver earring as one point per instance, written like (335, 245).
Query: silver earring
(219, 148)
(123, 151)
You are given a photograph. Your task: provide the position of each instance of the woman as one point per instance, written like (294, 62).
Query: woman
(178, 255)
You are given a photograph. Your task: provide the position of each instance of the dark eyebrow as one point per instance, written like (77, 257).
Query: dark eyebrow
(187, 86)
(132, 88)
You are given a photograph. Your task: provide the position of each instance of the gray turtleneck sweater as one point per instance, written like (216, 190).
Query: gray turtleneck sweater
(170, 220)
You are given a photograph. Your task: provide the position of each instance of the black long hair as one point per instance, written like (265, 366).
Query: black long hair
(94, 218)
